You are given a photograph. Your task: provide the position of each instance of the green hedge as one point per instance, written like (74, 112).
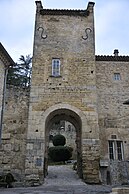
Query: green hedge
(59, 140)
(60, 153)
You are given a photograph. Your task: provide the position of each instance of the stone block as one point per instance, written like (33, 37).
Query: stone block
(120, 190)
(5, 160)
(16, 148)
(5, 136)
(7, 147)
(6, 168)
(30, 146)
(32, 177)
(28, 171)
(104, 163)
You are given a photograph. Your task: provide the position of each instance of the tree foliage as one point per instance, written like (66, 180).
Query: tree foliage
(20, 73)
(59, 152)
(59, 140)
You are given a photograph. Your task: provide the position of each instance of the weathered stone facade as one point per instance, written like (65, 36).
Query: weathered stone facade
(5, 62)
(71, 95)
(112, 114)
(13, 147)
(88, 92)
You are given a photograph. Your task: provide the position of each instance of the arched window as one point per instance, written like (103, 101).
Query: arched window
(55, 67)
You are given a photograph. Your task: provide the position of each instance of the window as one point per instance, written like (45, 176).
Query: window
(111, 150)
(119, 150)
(55, 67)
(117, 76)
(115, 150)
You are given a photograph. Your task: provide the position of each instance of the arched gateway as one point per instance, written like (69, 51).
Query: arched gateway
(73, 115)
(63, 88)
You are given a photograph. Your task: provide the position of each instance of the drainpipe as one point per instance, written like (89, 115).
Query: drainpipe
(3, 102)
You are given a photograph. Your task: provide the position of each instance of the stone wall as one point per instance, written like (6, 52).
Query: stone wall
(85, 94)
(12, 149)
(68, 36)
(2, 73)
(120, 190)
(113, 115)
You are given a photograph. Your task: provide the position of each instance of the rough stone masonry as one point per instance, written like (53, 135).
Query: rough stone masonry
(69, 83)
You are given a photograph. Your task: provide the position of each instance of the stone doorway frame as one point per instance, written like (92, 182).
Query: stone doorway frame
(88, 143)
(67, 113)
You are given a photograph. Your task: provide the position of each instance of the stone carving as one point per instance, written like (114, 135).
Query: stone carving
(42, 31)
(87, 31)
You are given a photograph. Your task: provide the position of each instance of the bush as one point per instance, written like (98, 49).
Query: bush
(59, 140)
(60, 153)
(9, 180)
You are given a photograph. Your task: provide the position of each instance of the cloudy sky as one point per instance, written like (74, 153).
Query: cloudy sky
(111, 24)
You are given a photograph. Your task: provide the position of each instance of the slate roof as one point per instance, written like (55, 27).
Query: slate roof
(111, 58)
(64, 12)
(5, 53)
(126, 102)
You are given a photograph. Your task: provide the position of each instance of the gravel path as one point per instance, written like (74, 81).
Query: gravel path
(60, 180)
(64, 178)
(62, 175)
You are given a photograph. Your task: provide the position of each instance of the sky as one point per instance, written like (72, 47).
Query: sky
(17, 18)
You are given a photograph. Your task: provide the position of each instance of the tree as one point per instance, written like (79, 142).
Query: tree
(20, 73)
(15, 77)
(59, 140)
(60, 152)
(26, 67)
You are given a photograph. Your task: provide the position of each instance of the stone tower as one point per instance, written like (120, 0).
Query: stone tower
(63, 88)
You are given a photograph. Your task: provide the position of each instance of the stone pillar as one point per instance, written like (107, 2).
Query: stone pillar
(90, 160)
(34, 163)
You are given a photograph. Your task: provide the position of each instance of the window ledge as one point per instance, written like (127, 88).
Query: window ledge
(58, 76)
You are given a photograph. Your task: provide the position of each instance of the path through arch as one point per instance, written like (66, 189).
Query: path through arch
(62, 175)
(67, 115)
(62, 179)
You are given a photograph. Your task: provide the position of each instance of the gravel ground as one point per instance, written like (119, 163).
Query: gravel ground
(60, 180)
(65, 177)
(62, 174)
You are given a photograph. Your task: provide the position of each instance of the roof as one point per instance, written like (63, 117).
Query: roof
(111, 58)
(64, 12)
(126, 102)
(6, 54)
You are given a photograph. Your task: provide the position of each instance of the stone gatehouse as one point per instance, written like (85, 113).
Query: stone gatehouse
(71, 84)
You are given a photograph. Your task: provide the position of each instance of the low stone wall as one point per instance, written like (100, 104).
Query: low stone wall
(119, 172)
(120, 190)
(115, 172)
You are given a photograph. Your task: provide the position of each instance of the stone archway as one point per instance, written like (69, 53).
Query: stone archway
(67, 115)
(87, 142)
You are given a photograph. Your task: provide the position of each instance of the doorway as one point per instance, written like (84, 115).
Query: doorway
(68, 123)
